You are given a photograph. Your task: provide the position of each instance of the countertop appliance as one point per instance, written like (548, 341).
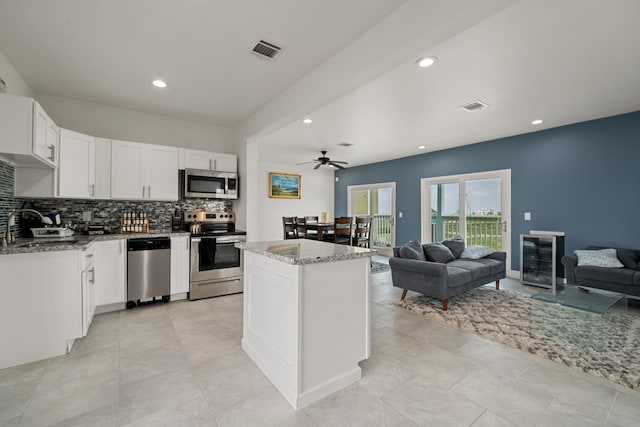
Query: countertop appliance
(202, 183)
(148, 270)
(216, 264)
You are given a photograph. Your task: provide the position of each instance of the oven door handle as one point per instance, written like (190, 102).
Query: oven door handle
(229, 240)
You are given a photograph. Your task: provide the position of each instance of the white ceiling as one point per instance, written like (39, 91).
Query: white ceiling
(564, 61)
(108, 52)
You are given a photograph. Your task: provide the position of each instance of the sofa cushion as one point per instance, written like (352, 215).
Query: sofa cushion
(476, 252)
(628, 258)
(598, 258)
(495, 265)
(412, 250)
(623, 276)
(478, 270)
(437, 252)
(455, 245)
(458, 276)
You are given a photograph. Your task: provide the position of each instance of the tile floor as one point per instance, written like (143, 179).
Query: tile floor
(181, 364)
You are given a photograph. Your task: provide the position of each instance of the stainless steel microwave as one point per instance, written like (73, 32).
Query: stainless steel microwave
(210, 184)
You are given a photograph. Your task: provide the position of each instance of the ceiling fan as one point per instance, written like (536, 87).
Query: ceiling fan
(324, 160)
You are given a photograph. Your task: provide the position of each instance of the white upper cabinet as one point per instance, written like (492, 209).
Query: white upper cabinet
(103, 168)
(76, 172)
(197, 159)
(28, 136)
(143, 171)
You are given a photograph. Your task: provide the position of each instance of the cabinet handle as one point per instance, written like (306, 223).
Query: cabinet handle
(143, 191)
(210, 164)
(149, 192)
(215, 166)
(93, 276)
(92, 190)
(52, 148)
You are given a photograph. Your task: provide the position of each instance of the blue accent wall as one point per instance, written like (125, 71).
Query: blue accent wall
(583, 179)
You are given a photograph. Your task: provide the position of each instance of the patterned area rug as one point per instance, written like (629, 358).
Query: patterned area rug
(604, 345)
(379, 267)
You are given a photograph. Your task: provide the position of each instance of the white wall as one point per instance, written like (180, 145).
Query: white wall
(316, 196)
(15, 84)
(118, 123)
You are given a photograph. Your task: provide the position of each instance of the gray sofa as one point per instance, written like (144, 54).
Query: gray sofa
(443, 280)
(625, 280)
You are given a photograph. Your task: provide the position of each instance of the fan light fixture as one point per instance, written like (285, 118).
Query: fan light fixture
(427, 61)
(325, 161)
(159, 83)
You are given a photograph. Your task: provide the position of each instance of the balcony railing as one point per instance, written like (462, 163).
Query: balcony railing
(381, 228)
(482, 230)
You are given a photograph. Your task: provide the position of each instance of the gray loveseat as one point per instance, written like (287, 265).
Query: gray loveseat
(625, 280)
(432, 277)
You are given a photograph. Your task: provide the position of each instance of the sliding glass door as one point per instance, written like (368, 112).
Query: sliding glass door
(378, 202)
(476, 206)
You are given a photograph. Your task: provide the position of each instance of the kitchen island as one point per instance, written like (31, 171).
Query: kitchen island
(306, 315)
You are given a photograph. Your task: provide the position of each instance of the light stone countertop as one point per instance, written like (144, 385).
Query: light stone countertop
(302, 251)
(76, 242)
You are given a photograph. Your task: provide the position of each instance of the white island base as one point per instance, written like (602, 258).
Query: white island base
(306, 325)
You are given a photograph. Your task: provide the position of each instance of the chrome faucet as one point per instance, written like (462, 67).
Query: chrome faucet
(8, 235)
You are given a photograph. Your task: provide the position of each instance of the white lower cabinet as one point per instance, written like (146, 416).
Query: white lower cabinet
(111, 272)
(41, 305)
(88, 280)
(179, 264)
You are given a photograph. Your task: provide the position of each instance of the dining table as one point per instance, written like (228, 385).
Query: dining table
(322, 228)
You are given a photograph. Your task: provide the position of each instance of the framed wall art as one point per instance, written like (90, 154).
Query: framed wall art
(284, 185)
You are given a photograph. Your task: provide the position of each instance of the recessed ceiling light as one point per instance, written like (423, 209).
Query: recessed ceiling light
(536, 122)
(159, 83)
(421, 147)
(427, 61)
(307, 121)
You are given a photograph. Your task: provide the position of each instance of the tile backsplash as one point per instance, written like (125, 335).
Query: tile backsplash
(105, 212)
(7, 200)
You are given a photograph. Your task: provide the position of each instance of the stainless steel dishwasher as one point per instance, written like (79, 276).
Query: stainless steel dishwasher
(148, 270)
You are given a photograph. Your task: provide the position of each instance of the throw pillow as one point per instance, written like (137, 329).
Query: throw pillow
(599, 258)
(476, 252)
(628, 258)
(455, 245)
(412, 250)
(437, 252)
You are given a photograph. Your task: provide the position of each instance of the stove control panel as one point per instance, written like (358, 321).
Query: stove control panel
(203, 216)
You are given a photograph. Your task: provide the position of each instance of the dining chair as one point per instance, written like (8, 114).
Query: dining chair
(362, 232)
(343, 230)
(312, 227)
(301, 227)
(289, 227)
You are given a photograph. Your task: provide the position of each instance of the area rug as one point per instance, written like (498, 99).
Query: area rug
(379, 267)
(604, 345)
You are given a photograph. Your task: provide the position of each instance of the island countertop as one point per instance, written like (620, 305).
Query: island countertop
(303, 251)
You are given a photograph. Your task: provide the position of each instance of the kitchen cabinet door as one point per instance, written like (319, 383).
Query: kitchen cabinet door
(45, 136)
(88, 279)
(103, 168)
(111, 274)
(197, 159)
(179, 264)
(28, 137)
(127, 178)
(161, 172)
(76, 171)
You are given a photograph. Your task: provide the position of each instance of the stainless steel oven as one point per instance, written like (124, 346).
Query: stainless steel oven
(216, 264)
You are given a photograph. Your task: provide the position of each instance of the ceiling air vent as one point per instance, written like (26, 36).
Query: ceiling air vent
(265, 50)
(345, 144)
(474, 106)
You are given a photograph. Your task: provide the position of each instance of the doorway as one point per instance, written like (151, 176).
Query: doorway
(379, 202)
(476, 206)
